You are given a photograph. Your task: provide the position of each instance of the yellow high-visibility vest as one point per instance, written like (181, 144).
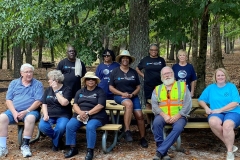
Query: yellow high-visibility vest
(174, 104)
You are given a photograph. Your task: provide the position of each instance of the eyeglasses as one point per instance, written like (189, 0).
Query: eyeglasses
(167, 73)
(88, 79)
(28, 72)
(106, 55)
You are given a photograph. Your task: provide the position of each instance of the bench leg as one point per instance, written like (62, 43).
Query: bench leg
(104, 142)
(20, 135)
(178, 147)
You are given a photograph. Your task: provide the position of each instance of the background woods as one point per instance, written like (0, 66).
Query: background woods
(37, 31)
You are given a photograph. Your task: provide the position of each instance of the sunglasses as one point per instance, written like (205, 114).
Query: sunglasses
(106, 55)
(88, 79)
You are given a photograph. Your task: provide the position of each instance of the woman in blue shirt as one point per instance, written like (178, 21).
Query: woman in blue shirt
(184, 71)
(224, 111)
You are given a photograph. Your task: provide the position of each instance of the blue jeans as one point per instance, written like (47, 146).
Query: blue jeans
(91, 135)
(57, 132)
(164, 144)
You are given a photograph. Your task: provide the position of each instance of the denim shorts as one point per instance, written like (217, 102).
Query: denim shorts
(12, 121)
(135, 100)
(233, 116)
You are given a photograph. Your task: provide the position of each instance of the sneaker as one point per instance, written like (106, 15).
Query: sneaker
(25, 150)
(3, 151)
(128, 136)
(230, 156)
(235, 148)
(144, 142)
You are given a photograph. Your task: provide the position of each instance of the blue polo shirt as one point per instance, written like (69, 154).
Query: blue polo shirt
(23, 97)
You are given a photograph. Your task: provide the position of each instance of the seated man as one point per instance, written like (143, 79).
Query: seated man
(22, 99)
(171, 103)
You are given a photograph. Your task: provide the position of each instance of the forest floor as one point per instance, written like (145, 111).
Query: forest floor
(201, 144)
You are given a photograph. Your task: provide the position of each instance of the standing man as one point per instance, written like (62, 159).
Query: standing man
(171, 103)
(23, 100)
(104, 69)
(73, 70)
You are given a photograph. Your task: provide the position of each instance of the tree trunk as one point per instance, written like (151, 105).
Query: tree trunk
(171, 54)
(29, 53)
(195, 43)
(40, 46)
(2, 54)
(18, 60)
(216, 56)
(167, 48)
(201, 65)
(138, 32)
(9, 64)
(52, 54)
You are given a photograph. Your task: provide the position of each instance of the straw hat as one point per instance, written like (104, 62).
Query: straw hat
(124, 53)
(90, 75)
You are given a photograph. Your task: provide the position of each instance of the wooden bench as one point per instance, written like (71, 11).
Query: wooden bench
(192, 123)
(106, 128)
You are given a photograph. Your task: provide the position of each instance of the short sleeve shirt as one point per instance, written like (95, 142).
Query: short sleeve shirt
(23, 97)
(124, 82)
(55, 109)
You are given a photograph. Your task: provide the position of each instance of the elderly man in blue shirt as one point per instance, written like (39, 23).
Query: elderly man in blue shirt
(23, 101)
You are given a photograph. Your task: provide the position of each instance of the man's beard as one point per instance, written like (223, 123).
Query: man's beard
(168, 82)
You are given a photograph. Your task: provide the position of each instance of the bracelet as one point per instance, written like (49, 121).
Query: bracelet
(28, 110)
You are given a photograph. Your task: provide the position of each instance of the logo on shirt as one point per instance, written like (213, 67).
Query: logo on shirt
(155, 63)
(91, 96)
(226, 94)
(182, 74)
(69, 67)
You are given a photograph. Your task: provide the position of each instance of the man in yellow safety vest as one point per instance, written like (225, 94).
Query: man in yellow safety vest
(171, 103)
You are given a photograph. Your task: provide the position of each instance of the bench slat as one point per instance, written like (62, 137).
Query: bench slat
(193, 125)
(108, 127)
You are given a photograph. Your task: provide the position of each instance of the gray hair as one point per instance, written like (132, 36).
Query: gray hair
(56, 75)
(26, 65)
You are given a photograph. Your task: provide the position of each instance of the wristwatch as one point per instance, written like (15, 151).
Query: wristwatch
(87, 113)
(56, 91)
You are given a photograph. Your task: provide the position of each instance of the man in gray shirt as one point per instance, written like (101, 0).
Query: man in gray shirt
(171, 103)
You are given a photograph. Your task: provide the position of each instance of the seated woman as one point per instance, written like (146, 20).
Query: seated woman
(125, 85)
(89, 107)
(224, 111)
(56, 108)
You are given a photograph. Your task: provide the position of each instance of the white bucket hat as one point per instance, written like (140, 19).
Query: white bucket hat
(90, 75)
(124, 53)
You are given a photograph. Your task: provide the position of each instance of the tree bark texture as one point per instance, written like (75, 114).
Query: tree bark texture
(139, 34)
(201, 66)
(138, 29)
(29, 53)
(18, 60)
(195, 43)
(40, 46)
(216, 56)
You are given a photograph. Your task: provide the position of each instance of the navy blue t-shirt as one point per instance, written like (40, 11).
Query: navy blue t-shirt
(68, 70)
(185, 73)
(124, 82)
(87, 100)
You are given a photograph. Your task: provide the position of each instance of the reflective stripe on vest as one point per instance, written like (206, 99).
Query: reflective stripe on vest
(174, 104)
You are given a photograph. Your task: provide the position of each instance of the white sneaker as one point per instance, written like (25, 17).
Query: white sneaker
(235, 148)
(3, 151)
(25, 150)
(230, 156)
